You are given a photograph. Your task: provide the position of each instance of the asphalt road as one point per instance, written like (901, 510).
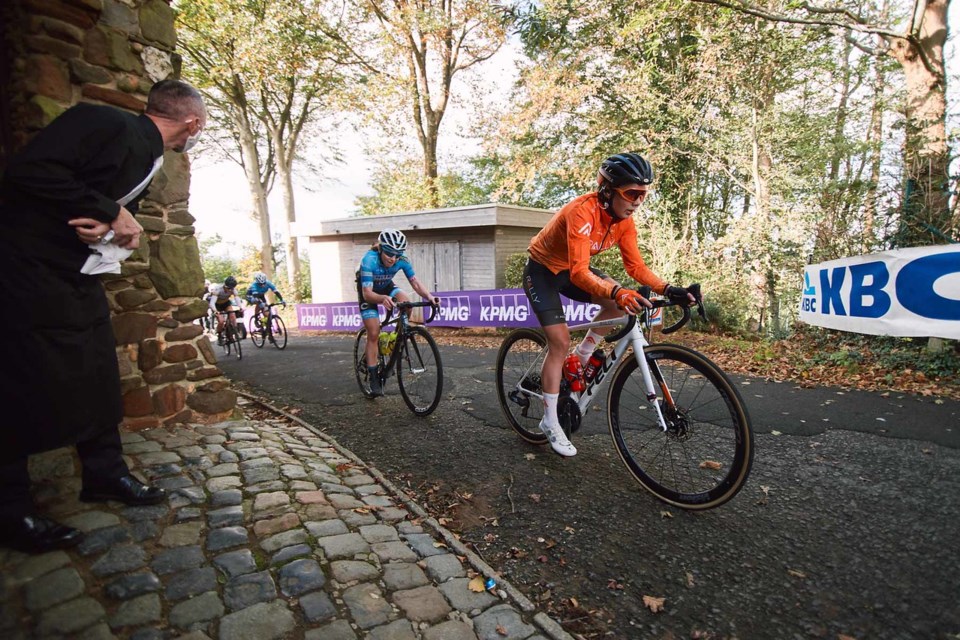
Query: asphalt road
(849, 524)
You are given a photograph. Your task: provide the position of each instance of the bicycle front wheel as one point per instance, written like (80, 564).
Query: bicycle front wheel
(704, 457)
(233, 340)
(518, 375)
(279, 331)
(420, 371)
(258, 334)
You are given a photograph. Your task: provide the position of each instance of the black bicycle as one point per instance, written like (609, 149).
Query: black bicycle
(230, 337)
(268, 327)
(414, 353)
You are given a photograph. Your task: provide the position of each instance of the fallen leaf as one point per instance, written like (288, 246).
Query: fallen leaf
(654, 604)
(543, 558)
(711, 464)
(844, 636)
(665, 514)
(439, 545)
(529, 456)
(796, 574)
(690, 582)
(477, 585)
(490, 537)
(501, 630)
(574, 602)
(569, 529)
(927, 452)
(613, 585)
(535, 497)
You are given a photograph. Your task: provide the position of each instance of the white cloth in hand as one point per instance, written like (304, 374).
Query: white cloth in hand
(105, 257)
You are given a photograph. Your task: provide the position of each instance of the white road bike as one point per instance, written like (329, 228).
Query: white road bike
(677, 421)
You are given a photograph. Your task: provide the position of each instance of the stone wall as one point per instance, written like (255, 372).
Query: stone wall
(60, 52)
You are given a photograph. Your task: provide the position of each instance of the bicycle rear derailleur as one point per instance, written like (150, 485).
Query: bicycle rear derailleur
(532, 384)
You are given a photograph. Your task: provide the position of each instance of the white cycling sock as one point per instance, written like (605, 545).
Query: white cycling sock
(550, 408)
(586, 348)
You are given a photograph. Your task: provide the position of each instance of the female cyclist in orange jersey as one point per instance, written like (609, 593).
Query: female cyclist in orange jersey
(559, 262)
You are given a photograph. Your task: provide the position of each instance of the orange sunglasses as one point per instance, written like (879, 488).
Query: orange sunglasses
(631, 195)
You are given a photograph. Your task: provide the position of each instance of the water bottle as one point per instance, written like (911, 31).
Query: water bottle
(573, 372)
(386, 341)
(594, 364)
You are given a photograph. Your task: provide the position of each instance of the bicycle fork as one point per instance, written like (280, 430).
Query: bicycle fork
(639, 343)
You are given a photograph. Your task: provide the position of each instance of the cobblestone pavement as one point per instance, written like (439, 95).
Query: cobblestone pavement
(271, 530)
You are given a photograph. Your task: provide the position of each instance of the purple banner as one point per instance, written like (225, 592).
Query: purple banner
(486, 308)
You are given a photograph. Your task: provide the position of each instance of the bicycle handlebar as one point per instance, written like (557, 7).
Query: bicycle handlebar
(406, 306)
(664, 302)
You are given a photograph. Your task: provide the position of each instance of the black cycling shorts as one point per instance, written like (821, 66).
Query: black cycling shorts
(543, 289)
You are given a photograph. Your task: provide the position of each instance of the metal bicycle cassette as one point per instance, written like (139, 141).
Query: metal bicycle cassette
(568, 411)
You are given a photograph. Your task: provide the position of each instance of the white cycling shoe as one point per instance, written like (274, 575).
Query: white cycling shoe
(558, 439)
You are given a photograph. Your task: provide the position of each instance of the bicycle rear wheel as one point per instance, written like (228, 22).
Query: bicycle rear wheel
(258, 335)
(518, 372)
(420, 371)
(232, 339)
(360, 363)
(704, 457)
(279, 332)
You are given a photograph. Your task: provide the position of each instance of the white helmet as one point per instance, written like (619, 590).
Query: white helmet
(260, 277)
(393, 240)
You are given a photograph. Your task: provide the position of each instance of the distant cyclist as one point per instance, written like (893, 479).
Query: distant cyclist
(375, 286)
(559, 262)
(223, 299)
(257, 292)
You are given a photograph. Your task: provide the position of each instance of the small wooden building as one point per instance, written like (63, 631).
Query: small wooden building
(455, 249)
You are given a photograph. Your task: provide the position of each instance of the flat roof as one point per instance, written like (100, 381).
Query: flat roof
(478, 215)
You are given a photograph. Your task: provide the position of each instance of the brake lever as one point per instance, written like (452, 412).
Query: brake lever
(698, 296)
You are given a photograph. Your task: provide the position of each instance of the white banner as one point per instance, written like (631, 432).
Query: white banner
(907, 292)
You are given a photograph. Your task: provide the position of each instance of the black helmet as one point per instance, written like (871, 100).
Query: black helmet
(625, 168)
(230, 282)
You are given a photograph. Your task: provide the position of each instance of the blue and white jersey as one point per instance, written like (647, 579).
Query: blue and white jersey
(372, 273)
(260, 290)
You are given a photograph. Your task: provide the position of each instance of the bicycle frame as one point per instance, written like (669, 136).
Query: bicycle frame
(402, 322)
(635, 338)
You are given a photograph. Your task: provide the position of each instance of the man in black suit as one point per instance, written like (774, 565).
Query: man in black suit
(77, 182)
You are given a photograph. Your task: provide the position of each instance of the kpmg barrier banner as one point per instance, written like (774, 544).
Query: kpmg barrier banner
(907, 292)
(487, 308)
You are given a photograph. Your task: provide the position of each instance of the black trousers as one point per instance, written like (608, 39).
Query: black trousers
(101, 458)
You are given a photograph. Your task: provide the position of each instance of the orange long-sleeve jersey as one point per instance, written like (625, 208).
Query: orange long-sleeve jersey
(582, 229)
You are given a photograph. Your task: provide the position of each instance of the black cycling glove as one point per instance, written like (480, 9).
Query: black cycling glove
(677, 295)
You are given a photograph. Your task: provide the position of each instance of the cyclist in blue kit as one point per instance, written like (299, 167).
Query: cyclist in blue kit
(375, 286)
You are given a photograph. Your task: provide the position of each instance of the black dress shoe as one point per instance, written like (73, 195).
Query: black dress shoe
(35, 534)
(127, 490)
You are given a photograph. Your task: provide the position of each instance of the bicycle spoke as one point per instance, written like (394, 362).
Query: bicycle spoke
(518, 378)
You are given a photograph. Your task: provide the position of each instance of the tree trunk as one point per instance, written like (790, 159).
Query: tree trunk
(285, 173)
(430, 164)
(258, 195)
(925, 218)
